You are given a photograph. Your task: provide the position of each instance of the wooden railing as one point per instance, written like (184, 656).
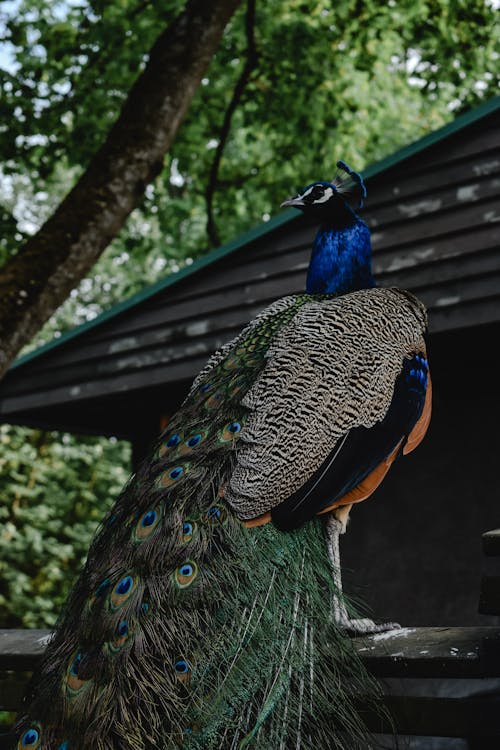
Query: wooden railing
(438, 682)
(412, 663)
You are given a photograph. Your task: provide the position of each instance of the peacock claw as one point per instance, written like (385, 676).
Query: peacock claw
(366, 626)
(352, 626)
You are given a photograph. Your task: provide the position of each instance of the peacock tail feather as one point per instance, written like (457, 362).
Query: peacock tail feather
(188, 629)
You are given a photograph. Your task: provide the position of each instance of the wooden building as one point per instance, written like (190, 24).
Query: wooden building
(434, 211)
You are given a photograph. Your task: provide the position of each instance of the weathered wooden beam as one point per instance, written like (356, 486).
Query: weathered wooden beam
(20, 650)
(433, 652)
(407, 652)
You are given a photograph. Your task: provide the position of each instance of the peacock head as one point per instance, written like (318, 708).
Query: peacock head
(346, 192)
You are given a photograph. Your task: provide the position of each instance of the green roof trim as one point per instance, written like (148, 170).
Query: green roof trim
(206, 260)
(463, 121)
(469, 118)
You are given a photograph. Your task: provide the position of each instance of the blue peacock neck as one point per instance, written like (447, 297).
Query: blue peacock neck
(341, 257)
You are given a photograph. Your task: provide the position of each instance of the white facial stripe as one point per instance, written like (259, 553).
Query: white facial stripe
(304, 195)
(326, 196)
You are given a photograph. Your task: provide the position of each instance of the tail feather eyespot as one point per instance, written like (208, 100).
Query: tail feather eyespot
(30, 739)
(122, 635)
(188, 530)
(236, 386)
(231, 431)
(74, 682)
(193, 441)
(147, 524)
(100, 592)
(216, 515)
(182, 670)
(123, 590)
(214, 400)
(185, 574)
(170, 444)
(231, 362)
(173, 475)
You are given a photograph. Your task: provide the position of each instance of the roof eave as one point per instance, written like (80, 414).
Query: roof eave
(465, 120)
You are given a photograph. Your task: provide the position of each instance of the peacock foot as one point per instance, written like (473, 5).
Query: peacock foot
(365, 626)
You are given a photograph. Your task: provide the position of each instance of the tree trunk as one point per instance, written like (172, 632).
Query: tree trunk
(39, 278)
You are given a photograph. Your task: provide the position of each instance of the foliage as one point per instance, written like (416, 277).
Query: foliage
(350, 80)
(54, 492)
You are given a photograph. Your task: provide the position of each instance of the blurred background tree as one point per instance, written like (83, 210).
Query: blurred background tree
(352, 80)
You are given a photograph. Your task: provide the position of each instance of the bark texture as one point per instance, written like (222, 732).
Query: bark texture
(51, 263)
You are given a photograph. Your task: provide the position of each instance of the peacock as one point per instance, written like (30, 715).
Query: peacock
(210, 612)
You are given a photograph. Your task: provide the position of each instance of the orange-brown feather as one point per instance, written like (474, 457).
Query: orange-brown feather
(370, 483)
(368, 486)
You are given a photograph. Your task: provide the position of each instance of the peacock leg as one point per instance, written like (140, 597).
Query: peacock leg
(358, 626)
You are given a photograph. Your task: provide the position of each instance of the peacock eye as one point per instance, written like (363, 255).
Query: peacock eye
(230, 431)
(182, 670)
(123, 591)
(124, 586)
(194, 440)
(171, 476)
(149, 518)
(75, 665)
(216, 515)
(185, 574)
(30, 739)
(188, 529)
(147, 524)
(173, 441)
(122, 629)
(122, 634)
(181, 666)
(74, 681)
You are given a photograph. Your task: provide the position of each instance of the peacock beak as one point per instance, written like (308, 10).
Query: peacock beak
(294, 202)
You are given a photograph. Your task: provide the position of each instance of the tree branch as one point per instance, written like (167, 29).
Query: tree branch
(39, 278)
(250, 64)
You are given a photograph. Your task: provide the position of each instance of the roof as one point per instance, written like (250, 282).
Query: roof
(243, 240)
(435, 224)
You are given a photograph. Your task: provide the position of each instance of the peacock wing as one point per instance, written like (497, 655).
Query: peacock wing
(334, 391)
